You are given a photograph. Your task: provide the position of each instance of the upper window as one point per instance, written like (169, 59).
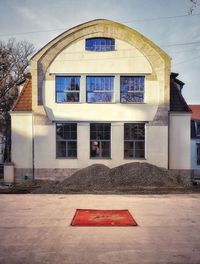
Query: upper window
(100, 44)
(100, 89)
(132, 89)
(67, 89)
(134, 140)
(66, 140)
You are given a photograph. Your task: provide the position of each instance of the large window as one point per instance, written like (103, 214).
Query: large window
(66, 140)
(67, 89)
(198, 153)
(132, 89)
(134, 140)
(100, 89)
(100, 44)
(100, 140)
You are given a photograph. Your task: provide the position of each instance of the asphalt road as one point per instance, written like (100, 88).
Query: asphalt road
(36, 229)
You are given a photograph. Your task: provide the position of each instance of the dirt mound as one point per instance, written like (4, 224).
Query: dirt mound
(96, 174)
(141, 174)
(99, 176)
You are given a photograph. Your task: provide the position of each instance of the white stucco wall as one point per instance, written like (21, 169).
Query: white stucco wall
(21, 148)
(45, 148)
(75, 59)
(126, 60)
(179, 145)
(157, 145)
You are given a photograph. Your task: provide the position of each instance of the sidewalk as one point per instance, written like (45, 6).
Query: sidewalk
(36, 229)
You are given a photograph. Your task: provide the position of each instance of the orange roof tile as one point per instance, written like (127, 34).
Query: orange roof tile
(24, 101)
(195, 111)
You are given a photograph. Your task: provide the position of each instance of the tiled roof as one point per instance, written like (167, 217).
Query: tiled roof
(24, 101)
(177, 102)
(195, 111)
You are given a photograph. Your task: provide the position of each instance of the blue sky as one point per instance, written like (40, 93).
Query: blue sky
(39, 21)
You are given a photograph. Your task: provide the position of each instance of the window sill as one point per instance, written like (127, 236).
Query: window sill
(66, 158)
(100, 158)
(132, 103)
(135, 159)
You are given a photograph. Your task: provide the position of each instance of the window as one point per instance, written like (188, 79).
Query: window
(100, 140)
(100, 89)
(67, 89)
(198, 153)
(100, 44)
(198, 128)
(134, 140)
(132, 89)
(66, 140)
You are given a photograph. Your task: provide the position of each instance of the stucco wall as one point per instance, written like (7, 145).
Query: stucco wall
(45, 147)
(125, 59)
(179, 145)
(21, 148)
(157, 145)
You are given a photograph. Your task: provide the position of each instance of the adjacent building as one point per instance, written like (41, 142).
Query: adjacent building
(195, 139)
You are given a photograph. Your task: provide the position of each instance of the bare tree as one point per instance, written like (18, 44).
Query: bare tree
(194, 5)
(14, 62)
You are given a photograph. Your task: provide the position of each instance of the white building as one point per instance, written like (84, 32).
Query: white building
(100, 93)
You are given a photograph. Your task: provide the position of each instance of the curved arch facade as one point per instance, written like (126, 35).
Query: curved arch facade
(159, 60)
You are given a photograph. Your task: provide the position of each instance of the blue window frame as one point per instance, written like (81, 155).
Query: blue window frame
(134, 140)
(67, 89)
(100, 44)
(100, 140)
(99, 89)
(66, 140)
(132, 89)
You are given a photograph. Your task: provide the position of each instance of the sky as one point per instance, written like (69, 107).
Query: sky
(166, 22)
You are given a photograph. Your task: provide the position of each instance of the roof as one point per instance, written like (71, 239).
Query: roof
(177, 101)
(195, 111)
(24, 101)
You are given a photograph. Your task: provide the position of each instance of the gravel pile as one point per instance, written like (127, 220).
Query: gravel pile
(99, 178)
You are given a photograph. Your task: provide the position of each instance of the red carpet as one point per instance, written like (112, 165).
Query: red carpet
(87, 217)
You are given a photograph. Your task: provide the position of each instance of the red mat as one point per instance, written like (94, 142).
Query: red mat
(88, 217)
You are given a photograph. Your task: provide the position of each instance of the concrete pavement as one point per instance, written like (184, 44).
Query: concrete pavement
(36, 229)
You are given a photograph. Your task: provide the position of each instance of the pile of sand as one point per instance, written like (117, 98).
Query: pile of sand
(99, 177)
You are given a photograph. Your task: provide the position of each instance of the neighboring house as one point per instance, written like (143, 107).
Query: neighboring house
(100, 93)
(195, 139)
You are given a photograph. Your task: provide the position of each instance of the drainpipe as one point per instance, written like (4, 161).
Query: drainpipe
(33, 152)
(168, 139)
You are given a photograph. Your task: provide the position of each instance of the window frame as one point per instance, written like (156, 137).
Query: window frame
(68, 91)
(197, 127)
(133, 91)
(134, 141)
(198, 153)
(101, 141)
(100, 90)
(67, 142)
(101, 45)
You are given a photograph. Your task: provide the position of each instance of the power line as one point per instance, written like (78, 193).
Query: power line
(130, 21)
(159, 18)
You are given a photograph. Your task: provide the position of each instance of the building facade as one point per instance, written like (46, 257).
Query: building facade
(99, 93)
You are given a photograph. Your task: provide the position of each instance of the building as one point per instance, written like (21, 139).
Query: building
(195, 139)
(99, 93)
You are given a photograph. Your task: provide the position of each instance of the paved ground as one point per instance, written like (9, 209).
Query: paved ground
(36, 229)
